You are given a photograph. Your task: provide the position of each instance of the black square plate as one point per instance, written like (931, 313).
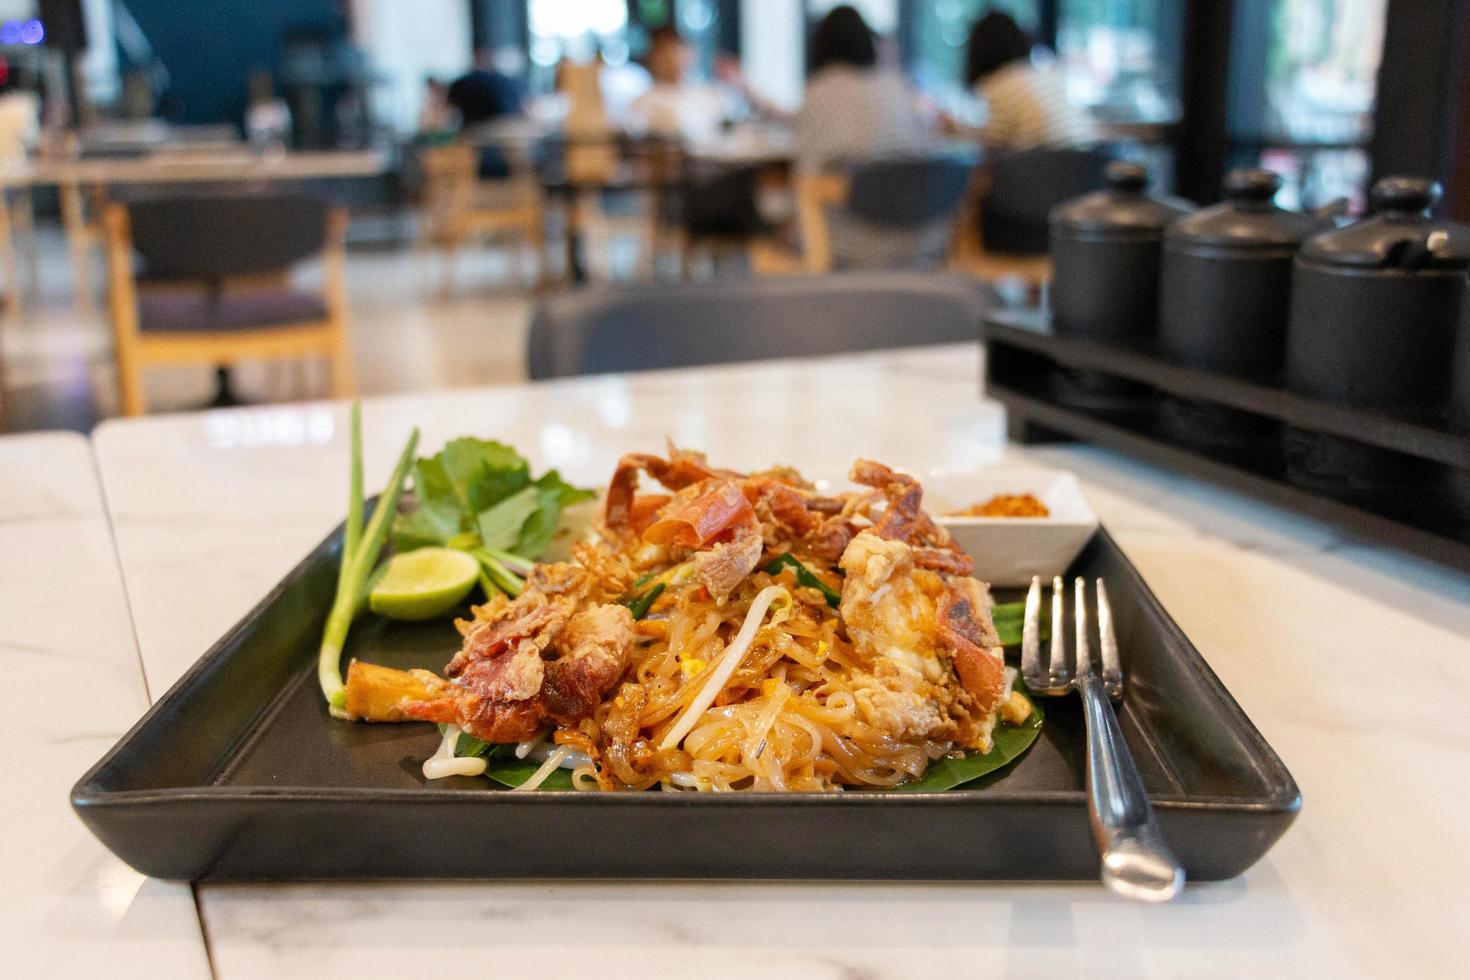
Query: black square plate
(239, 773)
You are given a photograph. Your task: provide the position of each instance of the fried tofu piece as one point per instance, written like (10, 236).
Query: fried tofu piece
(377, 693)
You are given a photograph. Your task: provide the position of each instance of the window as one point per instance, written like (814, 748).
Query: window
(1121, 57)
(1305, 74)
(941, 31)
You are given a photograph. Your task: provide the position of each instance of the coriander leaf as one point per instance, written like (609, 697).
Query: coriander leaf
(438, 502)
(540, 527)
(415, 530)
(500, 525)
(566, 493)
(483, 472)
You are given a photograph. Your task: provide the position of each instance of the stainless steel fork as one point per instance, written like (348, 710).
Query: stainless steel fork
(1136, 863)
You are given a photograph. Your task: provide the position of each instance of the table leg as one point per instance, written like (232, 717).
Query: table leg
(225, 395)
(7, 262)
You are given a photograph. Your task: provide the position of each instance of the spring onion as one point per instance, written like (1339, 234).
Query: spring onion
(360, 549)
(640, 604)
(804, 576)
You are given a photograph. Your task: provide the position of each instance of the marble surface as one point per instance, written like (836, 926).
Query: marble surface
(1319, 638)
(72, 687)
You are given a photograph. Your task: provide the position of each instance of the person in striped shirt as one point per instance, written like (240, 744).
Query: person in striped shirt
(1026, 103)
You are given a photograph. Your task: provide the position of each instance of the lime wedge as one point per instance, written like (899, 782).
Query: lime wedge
(423, 584)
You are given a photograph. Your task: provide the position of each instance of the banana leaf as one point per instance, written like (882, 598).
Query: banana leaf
(1009, 742)
(507, 770)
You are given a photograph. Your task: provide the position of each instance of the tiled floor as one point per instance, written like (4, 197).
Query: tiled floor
(56, 364)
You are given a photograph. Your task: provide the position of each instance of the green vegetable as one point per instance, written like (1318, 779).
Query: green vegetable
(1008, 743)
(468, 746)
(804, 576)
(500, 525)
(477, 495)
(1010, 617)
(507, 770)
(360, 549)
(639, 604)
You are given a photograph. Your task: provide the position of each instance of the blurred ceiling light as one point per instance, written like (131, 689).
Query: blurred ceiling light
(575, 18)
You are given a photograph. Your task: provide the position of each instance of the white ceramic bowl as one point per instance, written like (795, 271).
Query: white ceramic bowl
(1008, 551)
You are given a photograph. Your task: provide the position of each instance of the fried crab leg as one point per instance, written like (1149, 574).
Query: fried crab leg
(682, 469)
(905, 520)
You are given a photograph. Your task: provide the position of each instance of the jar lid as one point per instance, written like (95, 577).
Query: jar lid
(1125, 205)
(1247, 218)
(1399, 235)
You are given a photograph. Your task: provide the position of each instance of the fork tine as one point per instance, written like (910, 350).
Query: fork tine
(1112, 667)
(1057, 670)
(1031, 671)
(1079, 617)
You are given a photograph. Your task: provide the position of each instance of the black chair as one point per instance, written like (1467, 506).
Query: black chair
(605, 330)
(205, 279)
(1023, 187)
(908, 193)
(899, 195)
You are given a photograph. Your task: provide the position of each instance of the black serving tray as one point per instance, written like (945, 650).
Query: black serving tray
(1024, 357)
(238, 773)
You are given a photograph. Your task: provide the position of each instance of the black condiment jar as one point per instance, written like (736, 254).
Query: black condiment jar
(1105, 250)
(1225, 289)
(1373, 321)
(1224, 295)
(1460, 400)
(1460, 376)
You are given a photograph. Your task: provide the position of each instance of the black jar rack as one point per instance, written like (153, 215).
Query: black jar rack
(1024, 357)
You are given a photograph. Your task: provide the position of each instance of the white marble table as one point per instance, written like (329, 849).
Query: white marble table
(72, 686)
(1310, 632)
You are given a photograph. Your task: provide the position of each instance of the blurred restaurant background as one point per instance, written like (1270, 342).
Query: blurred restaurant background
(271, 200)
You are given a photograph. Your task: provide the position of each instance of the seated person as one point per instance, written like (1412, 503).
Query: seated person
(481, 97)
(1026, 103)
(675, 107)
(853, 111)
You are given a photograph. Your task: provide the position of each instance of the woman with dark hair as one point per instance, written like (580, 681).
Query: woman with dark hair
(855, 110)
(842, 38)
(1026, 103)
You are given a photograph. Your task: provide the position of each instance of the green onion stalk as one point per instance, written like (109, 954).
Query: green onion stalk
(502, 570)
(361, 547)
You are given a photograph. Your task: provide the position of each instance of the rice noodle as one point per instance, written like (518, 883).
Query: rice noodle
(734, 653)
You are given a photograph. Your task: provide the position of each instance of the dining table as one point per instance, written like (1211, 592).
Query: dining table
(72, 686)
(1353, 660)
(237, 164)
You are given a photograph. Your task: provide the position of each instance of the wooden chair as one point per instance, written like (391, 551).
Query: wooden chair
(815, 195)
(968, 254)
(459, 207)
(8, 265)
(213, 286)
(81, 218)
